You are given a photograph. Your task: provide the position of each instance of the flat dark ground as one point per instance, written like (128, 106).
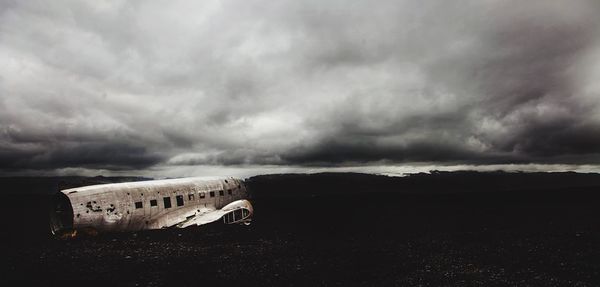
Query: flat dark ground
(444, 229)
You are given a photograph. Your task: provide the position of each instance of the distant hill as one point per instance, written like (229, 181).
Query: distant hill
(321, 184)
(436, 182)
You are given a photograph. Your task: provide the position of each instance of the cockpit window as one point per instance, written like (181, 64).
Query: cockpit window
(236, 215)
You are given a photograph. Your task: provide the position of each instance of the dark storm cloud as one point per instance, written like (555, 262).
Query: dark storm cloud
(87, 155)
(132, 85)
(51, 150)
(518, 77)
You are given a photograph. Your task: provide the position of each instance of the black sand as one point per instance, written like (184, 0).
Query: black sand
(445, 229)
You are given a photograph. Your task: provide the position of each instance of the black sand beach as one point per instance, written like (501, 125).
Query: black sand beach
(442, 229)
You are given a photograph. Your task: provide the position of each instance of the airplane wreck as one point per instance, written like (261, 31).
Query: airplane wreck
(154, 204)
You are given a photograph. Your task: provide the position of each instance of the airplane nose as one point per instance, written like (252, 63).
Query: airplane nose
(239, 212)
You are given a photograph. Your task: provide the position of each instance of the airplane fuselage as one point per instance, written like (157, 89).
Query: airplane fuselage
(151, 205)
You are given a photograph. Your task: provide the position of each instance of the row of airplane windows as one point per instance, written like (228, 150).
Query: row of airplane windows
(179, 199)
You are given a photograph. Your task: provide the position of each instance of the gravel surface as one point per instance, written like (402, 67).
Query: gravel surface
(529, 238)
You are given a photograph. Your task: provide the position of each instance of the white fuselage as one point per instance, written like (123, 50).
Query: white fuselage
(156, 204)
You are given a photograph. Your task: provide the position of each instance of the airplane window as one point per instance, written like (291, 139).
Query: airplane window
(167, 202)
(221, 193)
(179, 199)
(237, 214)
(153, 202)
(212, 194)
(229, 191)
(138, 205)
(202, 195)
(229, 217)
(190, 196)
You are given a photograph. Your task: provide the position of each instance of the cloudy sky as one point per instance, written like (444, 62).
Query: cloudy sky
(180, 88)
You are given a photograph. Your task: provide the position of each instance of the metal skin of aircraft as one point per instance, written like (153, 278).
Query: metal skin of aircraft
(154, 204)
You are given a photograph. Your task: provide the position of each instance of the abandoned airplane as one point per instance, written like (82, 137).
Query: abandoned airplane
(153, 204)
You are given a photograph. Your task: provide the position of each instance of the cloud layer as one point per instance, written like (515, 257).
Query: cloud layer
(128, 85)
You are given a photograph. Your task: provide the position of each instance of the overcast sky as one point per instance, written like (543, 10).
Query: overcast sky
(186, 87)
